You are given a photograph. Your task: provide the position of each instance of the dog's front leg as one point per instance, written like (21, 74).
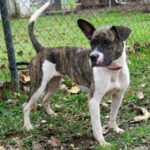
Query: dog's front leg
(116, 102)
(94, 108)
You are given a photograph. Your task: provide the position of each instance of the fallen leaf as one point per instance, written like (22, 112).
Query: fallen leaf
(54, 142)
(141, 148)
(107, 116)
(36, 146)
(143, 85)
(64, 88)
(9, 101)
(43, 121)
(24, 78)
(1, 83)
(131, 92)
(74, 90)
(51, 130)
(145, 116)
(104, 106)
(71, 83)
(3, 67)
(105, 129)
(72, 145)
(2, 148)
(34, 108)
(140, 95)
(20, 53)
(109, 102)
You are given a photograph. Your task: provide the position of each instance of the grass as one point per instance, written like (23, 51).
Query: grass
(72, 126)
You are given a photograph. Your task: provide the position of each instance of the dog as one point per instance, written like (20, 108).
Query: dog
(102, 69)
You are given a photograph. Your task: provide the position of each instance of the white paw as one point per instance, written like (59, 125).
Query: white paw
(28, 127)
(104, 143)
(52, 114)
(118, 130)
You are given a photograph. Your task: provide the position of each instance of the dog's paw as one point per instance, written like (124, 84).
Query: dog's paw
(118, 130)
(104, 143)
(27, 127)
(52, 114)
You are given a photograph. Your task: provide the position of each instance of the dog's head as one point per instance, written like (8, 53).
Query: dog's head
(106, 43)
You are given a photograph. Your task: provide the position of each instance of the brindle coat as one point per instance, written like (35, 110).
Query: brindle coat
(81, 64)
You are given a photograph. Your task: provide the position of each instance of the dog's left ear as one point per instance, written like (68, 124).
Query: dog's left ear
(123, 32)
(87, 28)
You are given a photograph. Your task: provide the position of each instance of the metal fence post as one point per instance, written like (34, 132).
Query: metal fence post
(9, 43)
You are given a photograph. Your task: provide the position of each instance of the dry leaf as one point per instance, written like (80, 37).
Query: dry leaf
(25, 79)
(59, 106)
(3, 67)
(72, 145)
(54, 142)
(140, 95)
(64, 88)
(43, 121)
(51, 129)
(74, 90)
(2, 148)
(36, 146)
(143, 85)
(71, 83)
(1, 83)
(138, 118)
(107, 116)
(105, 129)
(141, 148)
(109, 102)
(145, 116)
(104, 106)
(20, 53)
(131, 92)
(34, 108)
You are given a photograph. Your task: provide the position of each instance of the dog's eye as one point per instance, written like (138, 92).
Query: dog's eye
(107, 42)
(94, 43)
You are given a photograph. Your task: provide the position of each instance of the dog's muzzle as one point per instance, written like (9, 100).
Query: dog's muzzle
(96, 58)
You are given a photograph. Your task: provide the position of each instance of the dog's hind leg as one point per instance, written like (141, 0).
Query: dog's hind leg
(29, 105)
(116, 102)
(49, 72)
(52, 87)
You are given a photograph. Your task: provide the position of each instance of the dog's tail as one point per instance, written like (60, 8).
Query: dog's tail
(38, 47)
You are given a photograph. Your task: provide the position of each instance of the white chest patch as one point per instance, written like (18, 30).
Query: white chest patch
(105, 81)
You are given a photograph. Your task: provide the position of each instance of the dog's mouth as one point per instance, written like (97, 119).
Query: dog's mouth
(98, 64)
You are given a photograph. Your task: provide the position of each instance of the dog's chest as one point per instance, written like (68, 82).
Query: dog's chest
(106, 82)
(114, 85)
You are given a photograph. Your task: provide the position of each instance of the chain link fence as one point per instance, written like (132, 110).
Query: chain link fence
(58, 27)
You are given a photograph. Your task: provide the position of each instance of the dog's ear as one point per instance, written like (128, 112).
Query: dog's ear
(122, 32)
(86, 27)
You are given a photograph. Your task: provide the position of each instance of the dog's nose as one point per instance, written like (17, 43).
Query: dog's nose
(94, 57)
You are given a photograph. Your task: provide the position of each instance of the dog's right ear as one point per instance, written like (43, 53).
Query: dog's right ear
(87, 28)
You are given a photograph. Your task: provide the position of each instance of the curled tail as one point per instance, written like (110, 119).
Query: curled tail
(38, 47)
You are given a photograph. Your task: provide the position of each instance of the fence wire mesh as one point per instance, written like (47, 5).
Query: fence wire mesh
(57, 26)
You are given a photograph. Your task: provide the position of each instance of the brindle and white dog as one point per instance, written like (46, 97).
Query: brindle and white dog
(103, 69)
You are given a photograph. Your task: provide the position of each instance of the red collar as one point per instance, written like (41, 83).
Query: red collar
(114, 68)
